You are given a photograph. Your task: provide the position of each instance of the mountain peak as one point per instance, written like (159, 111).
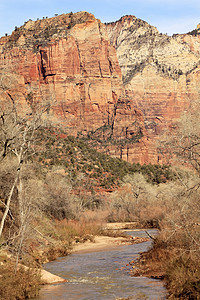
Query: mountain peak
(46, 29)
(131, 20)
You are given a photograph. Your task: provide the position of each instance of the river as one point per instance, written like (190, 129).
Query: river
(102, 275)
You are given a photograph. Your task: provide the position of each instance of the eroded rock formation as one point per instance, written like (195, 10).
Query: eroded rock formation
(117, 85)
(160, 74)
(69, 61)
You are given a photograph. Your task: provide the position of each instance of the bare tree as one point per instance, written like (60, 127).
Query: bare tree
(182, 142)
(129, 198)
(17, 137)
(180, 228)
(138, 184)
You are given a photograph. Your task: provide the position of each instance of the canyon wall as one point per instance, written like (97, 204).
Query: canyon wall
(68, 60)
(160, 75)
(116, 85)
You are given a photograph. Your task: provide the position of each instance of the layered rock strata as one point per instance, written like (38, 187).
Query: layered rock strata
(160, 75)
(69, 61)
(117, 85)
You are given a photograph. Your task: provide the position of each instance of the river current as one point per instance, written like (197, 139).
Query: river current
(102, 275)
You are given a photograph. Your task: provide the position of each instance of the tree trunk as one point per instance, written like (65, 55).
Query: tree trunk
(11, 193)
(8, 202)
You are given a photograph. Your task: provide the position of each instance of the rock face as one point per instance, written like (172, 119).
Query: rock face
(160, 75)
(69, 61)
(117, 85)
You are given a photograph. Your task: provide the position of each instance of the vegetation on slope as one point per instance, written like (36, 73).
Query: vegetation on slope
(103, 171)
(43, 31)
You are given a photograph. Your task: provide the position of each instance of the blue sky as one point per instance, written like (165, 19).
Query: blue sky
(169, 16)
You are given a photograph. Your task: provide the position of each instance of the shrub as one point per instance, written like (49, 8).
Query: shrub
(22, 285)
(183, 276)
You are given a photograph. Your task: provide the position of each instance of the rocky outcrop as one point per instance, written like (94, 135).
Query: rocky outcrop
(160, 75)
(69, 61)
(49, 278)
(117, 85)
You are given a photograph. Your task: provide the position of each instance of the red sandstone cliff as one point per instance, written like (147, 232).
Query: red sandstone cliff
(118, 85)
(160, 75)
(69, 61)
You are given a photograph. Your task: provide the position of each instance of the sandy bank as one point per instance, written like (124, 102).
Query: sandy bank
(101, 243)
(106, 242)
(121, 225)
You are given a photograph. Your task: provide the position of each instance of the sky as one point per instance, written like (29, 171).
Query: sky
(169, 16)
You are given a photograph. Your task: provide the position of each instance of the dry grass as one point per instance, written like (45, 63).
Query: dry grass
(22, 285)
(183, 276)
(56, 237)
(81, 230)
(177, 262)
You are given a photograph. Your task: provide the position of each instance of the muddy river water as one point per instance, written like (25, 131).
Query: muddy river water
(102, 275)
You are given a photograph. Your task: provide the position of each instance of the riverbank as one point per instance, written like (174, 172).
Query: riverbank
(114, 237)
(102, 274)
(104, 242)
(100, 243)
